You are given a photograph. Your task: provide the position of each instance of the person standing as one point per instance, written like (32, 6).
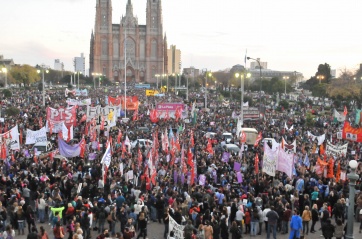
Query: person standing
(315, 217)
(166, 221)
(265, 211)
(306, 217)
(339, 229)
(254, 222)
(142, 225)
(328, 229)
(295, 225)
(272, 216)
(58, 231)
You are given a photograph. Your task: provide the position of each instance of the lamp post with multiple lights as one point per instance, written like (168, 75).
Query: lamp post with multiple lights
(42, 70)
(285, 84)
(249, 58)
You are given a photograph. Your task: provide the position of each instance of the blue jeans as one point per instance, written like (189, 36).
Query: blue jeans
(41, 215)
(21, 224)
(294, 234)
(254, 228)
(153, 214)
(285, 226)
(274, 228)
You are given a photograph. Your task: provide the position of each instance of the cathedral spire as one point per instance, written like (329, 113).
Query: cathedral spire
(129, 10)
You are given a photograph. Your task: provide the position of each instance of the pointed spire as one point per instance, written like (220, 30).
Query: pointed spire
(129, 10)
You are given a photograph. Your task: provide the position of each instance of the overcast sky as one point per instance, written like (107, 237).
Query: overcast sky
(213, 34)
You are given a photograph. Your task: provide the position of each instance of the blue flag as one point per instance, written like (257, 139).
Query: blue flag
(107, 157)
(306, 161)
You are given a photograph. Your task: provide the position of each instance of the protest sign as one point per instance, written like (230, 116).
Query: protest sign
(33, 137)
(176, 228)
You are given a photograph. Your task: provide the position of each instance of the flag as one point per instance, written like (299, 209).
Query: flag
(82, 148)
(135, 115)
(119, 137)
(338, 174)
(256, 165)
(337, 117)
(139, 158)
(306, 161)
(321, 149)
(84, 118)
(107, 157)
(102, 122)
(178, 113)
(330, 168)
(242, 137)
(189, 157)
(128, 143)
(257, 140)
(167, 115)
(209, 147)
(192, 141)
(345, 112)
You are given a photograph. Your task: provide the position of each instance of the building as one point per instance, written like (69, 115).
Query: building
(268, 74)
(58, 66)
(138, 58)
(8, 63)
(173, 60)
(191, 72)
(79, 64)
(255, 64)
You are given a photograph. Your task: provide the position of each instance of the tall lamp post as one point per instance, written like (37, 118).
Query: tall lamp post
(242, 79)
(42, 70)
(5, 71)
(78, 72)
(285, 85)
(353, 177)
(320, 77)
(157, 75)
(94, 74)
(210, 75)
(249, 58)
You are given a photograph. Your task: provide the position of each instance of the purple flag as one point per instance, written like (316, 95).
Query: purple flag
(215, 176)
(175, 176)
(285, 163)
(239, 177)
(237, 166)
(225, 157)
(92, 156)
(69, 151)
(202, 179)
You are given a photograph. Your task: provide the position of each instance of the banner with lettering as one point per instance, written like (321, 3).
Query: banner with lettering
(36, 136)
(12, 138)
(285, 163)
(270, 160)
(131, 102)
(72, 102)
(177, 229)
(81, 92)
(68, 115)
(350, 133)
(336, 150)
(56, 126)
(109, 112)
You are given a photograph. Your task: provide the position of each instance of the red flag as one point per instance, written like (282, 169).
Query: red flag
(139, 158)
(258, 140)
(87, 125)
(82, 148)
(119, 137)
(167, 115)
(192, 174)
(135, 115)
(84, 118)
(99, 145)
(189, 157)
(60, 134)
(178, 113)
(6, 128)
(51, 155)
(242, 137)
(12, 157)
(345, 111)
(209, 147)
(256, 161)
(102, 123)
(153, 116)
(153, 176)
(192, 141)
(40, 122)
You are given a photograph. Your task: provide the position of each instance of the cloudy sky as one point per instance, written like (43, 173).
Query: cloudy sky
(288, 34)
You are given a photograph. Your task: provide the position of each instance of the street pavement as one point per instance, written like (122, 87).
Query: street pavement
(155, 231)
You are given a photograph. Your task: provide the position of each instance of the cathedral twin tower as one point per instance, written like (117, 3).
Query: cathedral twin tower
(139, 51)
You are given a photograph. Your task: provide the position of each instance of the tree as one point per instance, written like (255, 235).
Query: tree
(24, 74)
(7, 93)
(324, 70)
(12, 111)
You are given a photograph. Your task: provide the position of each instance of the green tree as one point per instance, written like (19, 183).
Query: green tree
(24, 74)
(7, 93)
(12, 111)
(325, 71)
(309, 120)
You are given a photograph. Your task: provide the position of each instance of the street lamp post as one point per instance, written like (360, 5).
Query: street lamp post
(187, 88)
(353, 177)
(77, 72)
(42, 69)
(207, 74)
(320, 77)
(249, 58)
(157, 75)
(94, 74)
(5, 71)
(285, 85)
(242, 82)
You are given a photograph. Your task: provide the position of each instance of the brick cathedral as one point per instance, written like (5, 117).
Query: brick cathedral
(145, 45)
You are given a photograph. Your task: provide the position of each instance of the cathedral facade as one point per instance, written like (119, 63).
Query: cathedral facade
(128, 50)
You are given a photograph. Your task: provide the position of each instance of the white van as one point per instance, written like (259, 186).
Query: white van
(42, 147)
(251, 135)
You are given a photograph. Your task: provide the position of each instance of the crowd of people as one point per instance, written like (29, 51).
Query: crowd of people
(80, 199)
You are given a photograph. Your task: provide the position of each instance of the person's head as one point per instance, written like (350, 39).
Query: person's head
(234, 224)
(172, 234)
(79, 231)
(70, 205)
(8, 228)
(57, 224)
(306, 208)
(105, 232)
(315, 206)
(339, 222)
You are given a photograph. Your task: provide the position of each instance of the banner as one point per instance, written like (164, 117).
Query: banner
(131, 102)
(57, 126)
(68, 151)
(13, 140)
(33, 137)
(270, 160)
(107, 157)
(68, 115)
(285, 163)
(337, 117)
(109, 112)
(336, 150)
(251, 113)
(289, 148)
(151, 92)
(72, 102)
(177, 229)
(168, 108)
(69, 92)
(320, 138)
(81, 92)
(350, 133)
